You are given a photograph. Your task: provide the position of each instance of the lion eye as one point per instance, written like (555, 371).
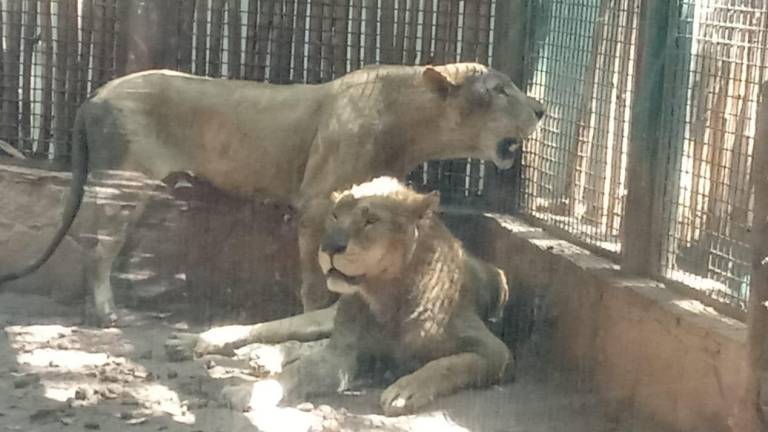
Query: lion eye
(334, 216)
(370, 220)
(502, 89)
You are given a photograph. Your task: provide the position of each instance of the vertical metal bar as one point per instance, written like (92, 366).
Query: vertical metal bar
(754, 414)
(642, 243)
(502, 188)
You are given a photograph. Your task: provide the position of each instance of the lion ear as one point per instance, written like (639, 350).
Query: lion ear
(428, 204)
(437, 82)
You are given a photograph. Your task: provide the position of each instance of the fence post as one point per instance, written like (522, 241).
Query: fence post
(642, 236)
(144, 46)
(753, 415)
(509, 50)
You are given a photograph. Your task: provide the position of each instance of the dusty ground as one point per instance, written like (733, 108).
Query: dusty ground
(55, 375)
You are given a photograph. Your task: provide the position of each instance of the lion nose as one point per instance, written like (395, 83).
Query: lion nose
(334, 242)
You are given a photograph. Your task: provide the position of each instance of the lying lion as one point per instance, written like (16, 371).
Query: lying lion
(409, 293)
(295, 143)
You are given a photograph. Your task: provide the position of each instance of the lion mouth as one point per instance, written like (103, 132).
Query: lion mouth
(351, 280)
(507, 148)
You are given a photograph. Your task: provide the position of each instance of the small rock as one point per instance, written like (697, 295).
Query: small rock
(210, 364)
(62, 345)
(172, 374)
(306, 407)
(52, 364)
(67, 420)
(110, 377)
(331, 425)
(146, 355)
(136, 421)
(140, 374)
(83, 393)
(92, 426)
(181, 326)
(326, 411)
(196, 403)
(112, 391)
(25, 381)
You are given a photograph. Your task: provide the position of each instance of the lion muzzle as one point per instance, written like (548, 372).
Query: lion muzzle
(336, 280)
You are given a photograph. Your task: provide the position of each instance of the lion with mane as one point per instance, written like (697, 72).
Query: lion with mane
(410, 295)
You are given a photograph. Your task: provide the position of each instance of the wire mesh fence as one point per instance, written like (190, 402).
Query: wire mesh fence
(715, 75)
(56, 52)
(580, 65)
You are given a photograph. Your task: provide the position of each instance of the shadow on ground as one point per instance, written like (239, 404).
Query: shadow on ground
(59, 376)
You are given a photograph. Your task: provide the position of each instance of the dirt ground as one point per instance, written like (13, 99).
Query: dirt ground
(56, 376)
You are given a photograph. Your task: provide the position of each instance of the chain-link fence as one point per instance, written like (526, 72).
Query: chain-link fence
(717, 66)
(581, 64)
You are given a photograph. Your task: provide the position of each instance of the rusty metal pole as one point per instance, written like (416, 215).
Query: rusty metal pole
(641, 242)
(144, 44)
(502, 191)
(753, 414)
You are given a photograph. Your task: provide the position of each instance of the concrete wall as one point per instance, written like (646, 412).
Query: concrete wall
(643, 348)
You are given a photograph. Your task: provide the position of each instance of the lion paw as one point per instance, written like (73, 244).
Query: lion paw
(405, 396)
(180, 346)
(221, 340)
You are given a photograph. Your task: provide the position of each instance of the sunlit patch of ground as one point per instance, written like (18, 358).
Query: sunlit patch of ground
(72, 369)
(57, 376)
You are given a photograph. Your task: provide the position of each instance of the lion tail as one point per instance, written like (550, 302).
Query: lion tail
(79, 161)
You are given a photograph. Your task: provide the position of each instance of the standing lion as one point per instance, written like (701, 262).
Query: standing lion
(294, 143)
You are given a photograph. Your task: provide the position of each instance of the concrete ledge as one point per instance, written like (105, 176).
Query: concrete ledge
(643, 347)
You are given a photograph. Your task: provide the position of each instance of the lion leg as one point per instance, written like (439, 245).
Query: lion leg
(107, 219)
(484, 365)
(314, 293)
(325, 371)
(224, 340)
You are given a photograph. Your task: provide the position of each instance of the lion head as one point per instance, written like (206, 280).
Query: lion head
(488, 109)
(371, 233)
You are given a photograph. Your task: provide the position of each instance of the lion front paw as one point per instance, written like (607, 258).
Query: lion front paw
(405, 396)
(221, 340)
